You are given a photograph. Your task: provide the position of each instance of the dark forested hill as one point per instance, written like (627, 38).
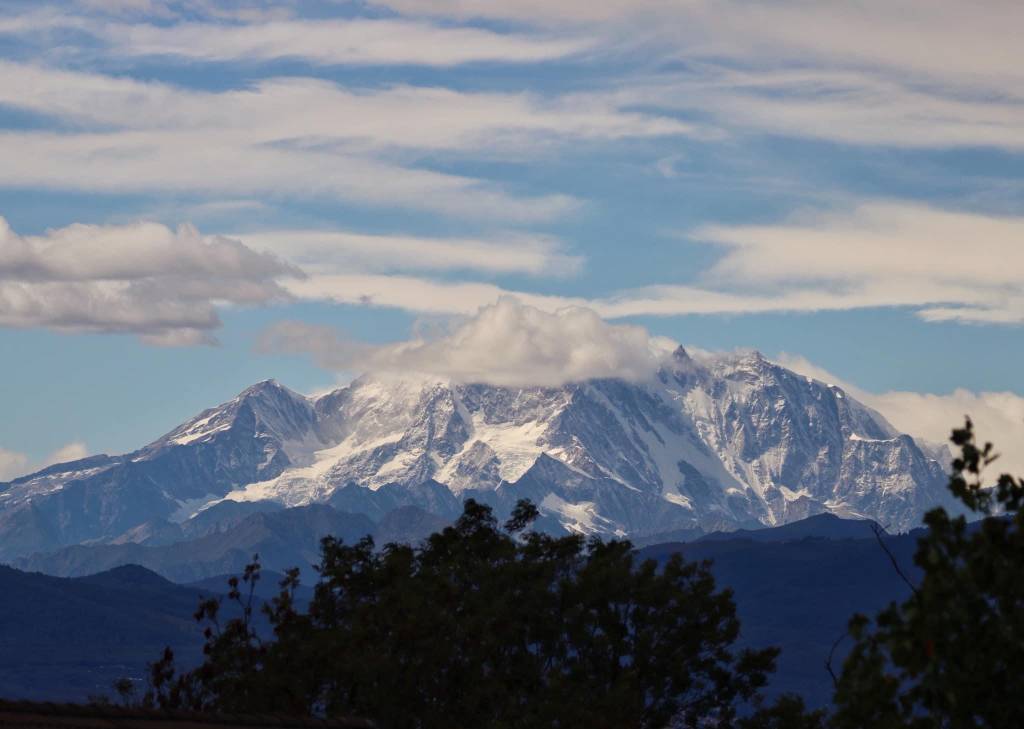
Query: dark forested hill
(63, 639)
(795, 586)
(799, 594)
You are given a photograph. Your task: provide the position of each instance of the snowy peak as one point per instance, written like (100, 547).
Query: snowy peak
(266, 409)
(727, 441)
(710, 442)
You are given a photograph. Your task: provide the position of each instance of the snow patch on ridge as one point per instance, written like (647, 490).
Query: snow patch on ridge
(581, 517)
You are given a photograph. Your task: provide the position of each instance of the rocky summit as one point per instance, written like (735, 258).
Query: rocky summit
(706, 443)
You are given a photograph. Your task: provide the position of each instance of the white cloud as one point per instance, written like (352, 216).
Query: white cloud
(330, 41)
(948, 265)
(875, 240)
(417, 294)
(127, 7)
(329, 116)
(287, 138)
(869, 74)
(874, 72)
(72, 451)
(255, 35)
(898, 35)
(14, 464)
(144, 278)
(508, 343)
(847, 106)
(201, 163)
(540, 12)
(998, 416)
(334, 251)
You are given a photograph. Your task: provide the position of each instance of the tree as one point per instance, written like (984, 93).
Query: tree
(952, 654)
(487, 627)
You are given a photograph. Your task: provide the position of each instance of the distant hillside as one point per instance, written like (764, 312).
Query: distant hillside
(799, 593)
(283, 538)
(68, 638)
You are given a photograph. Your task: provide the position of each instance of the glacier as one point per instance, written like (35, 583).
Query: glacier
(708, 442)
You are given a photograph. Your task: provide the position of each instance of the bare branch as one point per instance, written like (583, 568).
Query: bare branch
(831, 656)
(878, 531)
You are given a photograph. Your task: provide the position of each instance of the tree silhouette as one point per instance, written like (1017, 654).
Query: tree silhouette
(951, 655)
(483, 626)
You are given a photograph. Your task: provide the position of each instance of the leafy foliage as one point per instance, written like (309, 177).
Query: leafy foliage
(487, 627)
(951, 655)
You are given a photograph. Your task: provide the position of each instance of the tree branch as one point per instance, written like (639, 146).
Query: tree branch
(878, 531)
(831, 655)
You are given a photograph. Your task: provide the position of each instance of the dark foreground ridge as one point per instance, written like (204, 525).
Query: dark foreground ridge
(795, 587)
(97, 716)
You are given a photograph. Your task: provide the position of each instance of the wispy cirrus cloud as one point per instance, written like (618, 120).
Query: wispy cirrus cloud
(294, 138)
(257, 37)
(871, 73)
(944, 265)
(334, 251)
(894, 35)
(341, 42)
(843, 106)
(419, 294)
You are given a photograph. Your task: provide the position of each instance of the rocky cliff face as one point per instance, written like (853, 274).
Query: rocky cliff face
(707, 443)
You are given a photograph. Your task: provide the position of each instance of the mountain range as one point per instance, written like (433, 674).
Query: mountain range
(707, 443)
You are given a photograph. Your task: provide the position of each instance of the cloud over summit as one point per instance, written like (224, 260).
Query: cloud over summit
(507, 344)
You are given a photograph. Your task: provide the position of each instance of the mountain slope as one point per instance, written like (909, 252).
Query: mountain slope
(709, 443)
(792, 590)
(283, 539)
(255, 436)
(799, 594)
(88, 632)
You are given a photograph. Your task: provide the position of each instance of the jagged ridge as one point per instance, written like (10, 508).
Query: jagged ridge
(719, 442)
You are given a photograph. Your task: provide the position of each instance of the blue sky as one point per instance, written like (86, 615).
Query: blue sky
(182, 180)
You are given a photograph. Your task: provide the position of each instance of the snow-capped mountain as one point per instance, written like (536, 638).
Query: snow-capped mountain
(711, 443)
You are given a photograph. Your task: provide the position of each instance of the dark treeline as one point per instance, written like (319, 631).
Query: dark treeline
(487, 625)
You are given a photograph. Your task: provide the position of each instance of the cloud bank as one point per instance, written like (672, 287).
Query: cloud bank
(144, 278)
(950, 265)
(507, 344)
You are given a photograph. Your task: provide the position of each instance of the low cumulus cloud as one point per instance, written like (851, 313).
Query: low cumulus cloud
(12, 464)
(998, 416)
(507, 344)
(143, 278)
